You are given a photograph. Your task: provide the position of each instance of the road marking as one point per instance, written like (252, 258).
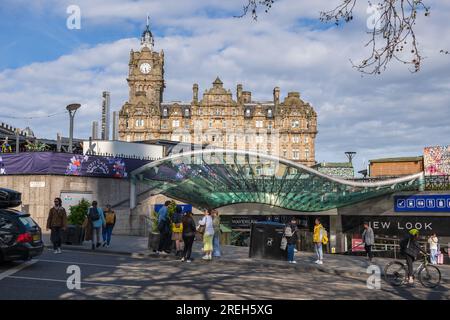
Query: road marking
(16, 269)
(94, 264)
(82, 282)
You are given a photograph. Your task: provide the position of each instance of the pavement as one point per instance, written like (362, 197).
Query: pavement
(334, 264)
(87, 275)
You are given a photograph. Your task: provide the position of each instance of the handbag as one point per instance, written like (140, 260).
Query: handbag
(283, 245)
(201, 229)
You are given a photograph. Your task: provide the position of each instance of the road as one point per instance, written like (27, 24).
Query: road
(112, 276)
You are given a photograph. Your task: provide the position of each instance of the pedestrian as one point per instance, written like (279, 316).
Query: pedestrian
(207, 224)
(368, 239)
(433, 241)
(57, 222)
(188, 236)
(164, 228)
(410, 248)
(319, 238)
(290, 232)
(110, 221)
(216, 239)
(177, 230)
(96, 219)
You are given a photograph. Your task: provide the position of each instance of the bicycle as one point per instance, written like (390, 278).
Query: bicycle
(396, 273)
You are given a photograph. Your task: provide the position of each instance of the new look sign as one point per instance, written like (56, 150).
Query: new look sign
(421, 203)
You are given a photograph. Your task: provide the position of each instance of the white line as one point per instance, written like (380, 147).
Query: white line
(16, 269)
(96, 265)
(83, 282)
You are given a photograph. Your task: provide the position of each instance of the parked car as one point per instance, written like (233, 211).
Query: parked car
(20, 235)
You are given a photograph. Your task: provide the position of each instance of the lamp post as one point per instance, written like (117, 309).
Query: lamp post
(350, 155)
(72, 108)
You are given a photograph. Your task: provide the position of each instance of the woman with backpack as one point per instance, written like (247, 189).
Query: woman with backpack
(177, 230)
(188, 236)
(110, 221)
(96, 219)
(290, 233)
(410, 248)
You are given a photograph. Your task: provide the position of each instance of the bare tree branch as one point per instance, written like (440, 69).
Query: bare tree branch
(252, 6)
(392, 37)
(393, 34)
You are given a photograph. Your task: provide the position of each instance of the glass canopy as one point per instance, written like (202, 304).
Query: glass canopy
(213, 178)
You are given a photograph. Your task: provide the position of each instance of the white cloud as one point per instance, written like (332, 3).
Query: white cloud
(394, 114)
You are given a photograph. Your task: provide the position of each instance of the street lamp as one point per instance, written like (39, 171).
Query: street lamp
(72, 108)
(350, 155)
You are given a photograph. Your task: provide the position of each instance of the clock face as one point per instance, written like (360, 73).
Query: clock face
(145, 68)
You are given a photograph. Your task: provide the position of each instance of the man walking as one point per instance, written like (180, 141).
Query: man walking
(57, 222)
(97, 220)
(164, 228)
(368, 239)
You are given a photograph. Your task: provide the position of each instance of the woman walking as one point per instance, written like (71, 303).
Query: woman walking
(433, 242)
(207, 222)
(110, 220)
(290, 232)
(188, 236)
(57, 222)
(216, 238)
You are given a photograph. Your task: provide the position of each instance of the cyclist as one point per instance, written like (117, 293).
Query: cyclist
(410, 247)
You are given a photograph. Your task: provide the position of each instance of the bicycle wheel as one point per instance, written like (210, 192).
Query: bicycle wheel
(395, 273)
(430, 276)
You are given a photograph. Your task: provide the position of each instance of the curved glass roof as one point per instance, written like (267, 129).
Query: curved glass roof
(213, 178)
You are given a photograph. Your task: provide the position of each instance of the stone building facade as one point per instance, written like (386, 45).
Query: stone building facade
(285, 128)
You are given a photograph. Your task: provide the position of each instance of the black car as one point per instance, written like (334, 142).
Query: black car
(20, 235)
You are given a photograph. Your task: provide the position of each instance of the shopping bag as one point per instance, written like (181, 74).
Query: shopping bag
(440, 258)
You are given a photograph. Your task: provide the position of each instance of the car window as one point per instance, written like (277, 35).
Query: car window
(28, 222)
(6, 223)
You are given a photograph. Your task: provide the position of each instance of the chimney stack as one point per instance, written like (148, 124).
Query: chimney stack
(195, 93)
(105, 115)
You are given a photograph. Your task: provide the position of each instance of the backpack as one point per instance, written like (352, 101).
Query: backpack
(93, 214)
(109, 218)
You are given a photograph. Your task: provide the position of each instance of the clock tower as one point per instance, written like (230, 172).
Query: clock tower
(146, 88)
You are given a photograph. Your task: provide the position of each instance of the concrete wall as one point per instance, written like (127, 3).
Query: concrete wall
(39, 191)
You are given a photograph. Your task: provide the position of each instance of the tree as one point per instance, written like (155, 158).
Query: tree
(78, 212)
(392, 37)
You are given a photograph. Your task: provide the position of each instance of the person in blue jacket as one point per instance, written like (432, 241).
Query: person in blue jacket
(96, 218)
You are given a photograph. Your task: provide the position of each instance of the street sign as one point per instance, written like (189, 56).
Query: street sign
(420, 203)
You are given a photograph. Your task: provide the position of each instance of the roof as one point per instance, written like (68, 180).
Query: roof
(334, 165)
(399, 159)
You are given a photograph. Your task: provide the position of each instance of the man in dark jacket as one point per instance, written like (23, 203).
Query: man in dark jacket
(411, 249)
(290, 232)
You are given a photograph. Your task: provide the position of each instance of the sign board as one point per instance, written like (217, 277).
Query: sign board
(357, 245)
(422, 203)
(37, 184)
(73, 198)
(397, 226)
(184, 207)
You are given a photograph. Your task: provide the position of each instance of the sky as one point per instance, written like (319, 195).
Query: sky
(45, 66)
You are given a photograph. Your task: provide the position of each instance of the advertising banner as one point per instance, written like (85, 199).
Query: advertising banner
(436, 160)
(357, 245)
(397, 226)
(68, 164)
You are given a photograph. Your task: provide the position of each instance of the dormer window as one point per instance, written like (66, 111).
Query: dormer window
(165, 112)
(186, 112)
(269, 113)
(247, 112)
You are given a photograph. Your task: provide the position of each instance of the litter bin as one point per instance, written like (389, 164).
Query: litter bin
(265, 241)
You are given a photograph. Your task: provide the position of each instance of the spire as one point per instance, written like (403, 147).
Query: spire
(217, 83)
(147, 36)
